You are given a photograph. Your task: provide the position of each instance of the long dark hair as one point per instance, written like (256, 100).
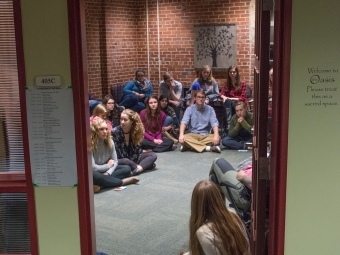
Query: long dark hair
(161, 97)
(157, 117)
(230, 85)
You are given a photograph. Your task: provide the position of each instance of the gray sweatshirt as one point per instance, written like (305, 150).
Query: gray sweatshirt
(102, 156)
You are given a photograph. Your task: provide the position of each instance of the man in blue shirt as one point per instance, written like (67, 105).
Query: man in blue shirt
(200, 118)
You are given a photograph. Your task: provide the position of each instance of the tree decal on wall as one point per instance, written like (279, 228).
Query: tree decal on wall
(215, 45)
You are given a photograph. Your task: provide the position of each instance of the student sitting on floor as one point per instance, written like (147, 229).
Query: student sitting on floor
(153, 120)
(113, 109)
(106, 172)
(200, 118)
(240, 128)
(127, 137)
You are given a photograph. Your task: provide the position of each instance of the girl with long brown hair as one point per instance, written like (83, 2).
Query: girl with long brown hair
(128, 137)
(233, 90)
(214, 230)
(153, 120)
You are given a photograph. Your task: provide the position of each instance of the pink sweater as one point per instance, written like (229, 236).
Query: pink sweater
(158, 134)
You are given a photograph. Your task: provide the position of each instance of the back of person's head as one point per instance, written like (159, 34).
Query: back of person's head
(95, 128)
(208, 206)
(99, 110)
(137, 128)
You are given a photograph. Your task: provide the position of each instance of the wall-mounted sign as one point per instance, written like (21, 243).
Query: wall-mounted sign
(51, 136)
(48, 81)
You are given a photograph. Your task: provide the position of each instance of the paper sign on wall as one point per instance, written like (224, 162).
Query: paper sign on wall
(51, 136)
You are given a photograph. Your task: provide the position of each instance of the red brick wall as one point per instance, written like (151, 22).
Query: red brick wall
(111, 43)
(126, 38)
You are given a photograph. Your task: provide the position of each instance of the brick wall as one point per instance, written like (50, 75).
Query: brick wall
(111, 43)
(125, 36)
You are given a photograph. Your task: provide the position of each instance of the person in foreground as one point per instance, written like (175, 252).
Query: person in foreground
(214, 230)
(106, 172)
(200, 118)
(128, 137)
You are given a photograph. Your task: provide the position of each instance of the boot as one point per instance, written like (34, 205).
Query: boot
(228, 115)
(167, 135)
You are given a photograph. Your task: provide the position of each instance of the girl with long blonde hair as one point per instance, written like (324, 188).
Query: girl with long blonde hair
(206, 82)
(128, 137)
(214, 230)
(106, 172)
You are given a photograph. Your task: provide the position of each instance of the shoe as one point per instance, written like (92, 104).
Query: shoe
(183, 148)
(215, 149)
(96, 188)
(153, 166)
(135, 172)
(174, 146)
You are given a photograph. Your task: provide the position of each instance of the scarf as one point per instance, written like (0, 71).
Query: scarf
(144, 86)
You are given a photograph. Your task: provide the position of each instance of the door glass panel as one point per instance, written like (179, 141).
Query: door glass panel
(14, 225)
(11, 145)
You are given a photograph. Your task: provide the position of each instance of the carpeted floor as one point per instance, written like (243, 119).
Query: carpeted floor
(151, 217)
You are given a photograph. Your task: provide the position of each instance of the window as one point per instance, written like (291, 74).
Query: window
(11, 145)
(14, 222)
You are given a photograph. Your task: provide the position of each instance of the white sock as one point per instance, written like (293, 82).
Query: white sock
(207, 148)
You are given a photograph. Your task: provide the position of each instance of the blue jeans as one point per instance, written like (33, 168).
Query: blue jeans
(93, 104)
(168, 121)
(236, 143)
(132, 102)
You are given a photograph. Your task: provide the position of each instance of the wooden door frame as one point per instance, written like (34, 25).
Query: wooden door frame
(279, 150)
(79, 80)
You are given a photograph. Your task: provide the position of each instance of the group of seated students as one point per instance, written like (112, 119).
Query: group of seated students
(120, 153)
(151, 124)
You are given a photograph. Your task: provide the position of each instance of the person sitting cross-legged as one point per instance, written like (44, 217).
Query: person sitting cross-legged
(200, 118)
(240, 128)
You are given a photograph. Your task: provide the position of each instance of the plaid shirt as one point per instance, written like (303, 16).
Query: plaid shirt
(240, 94)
